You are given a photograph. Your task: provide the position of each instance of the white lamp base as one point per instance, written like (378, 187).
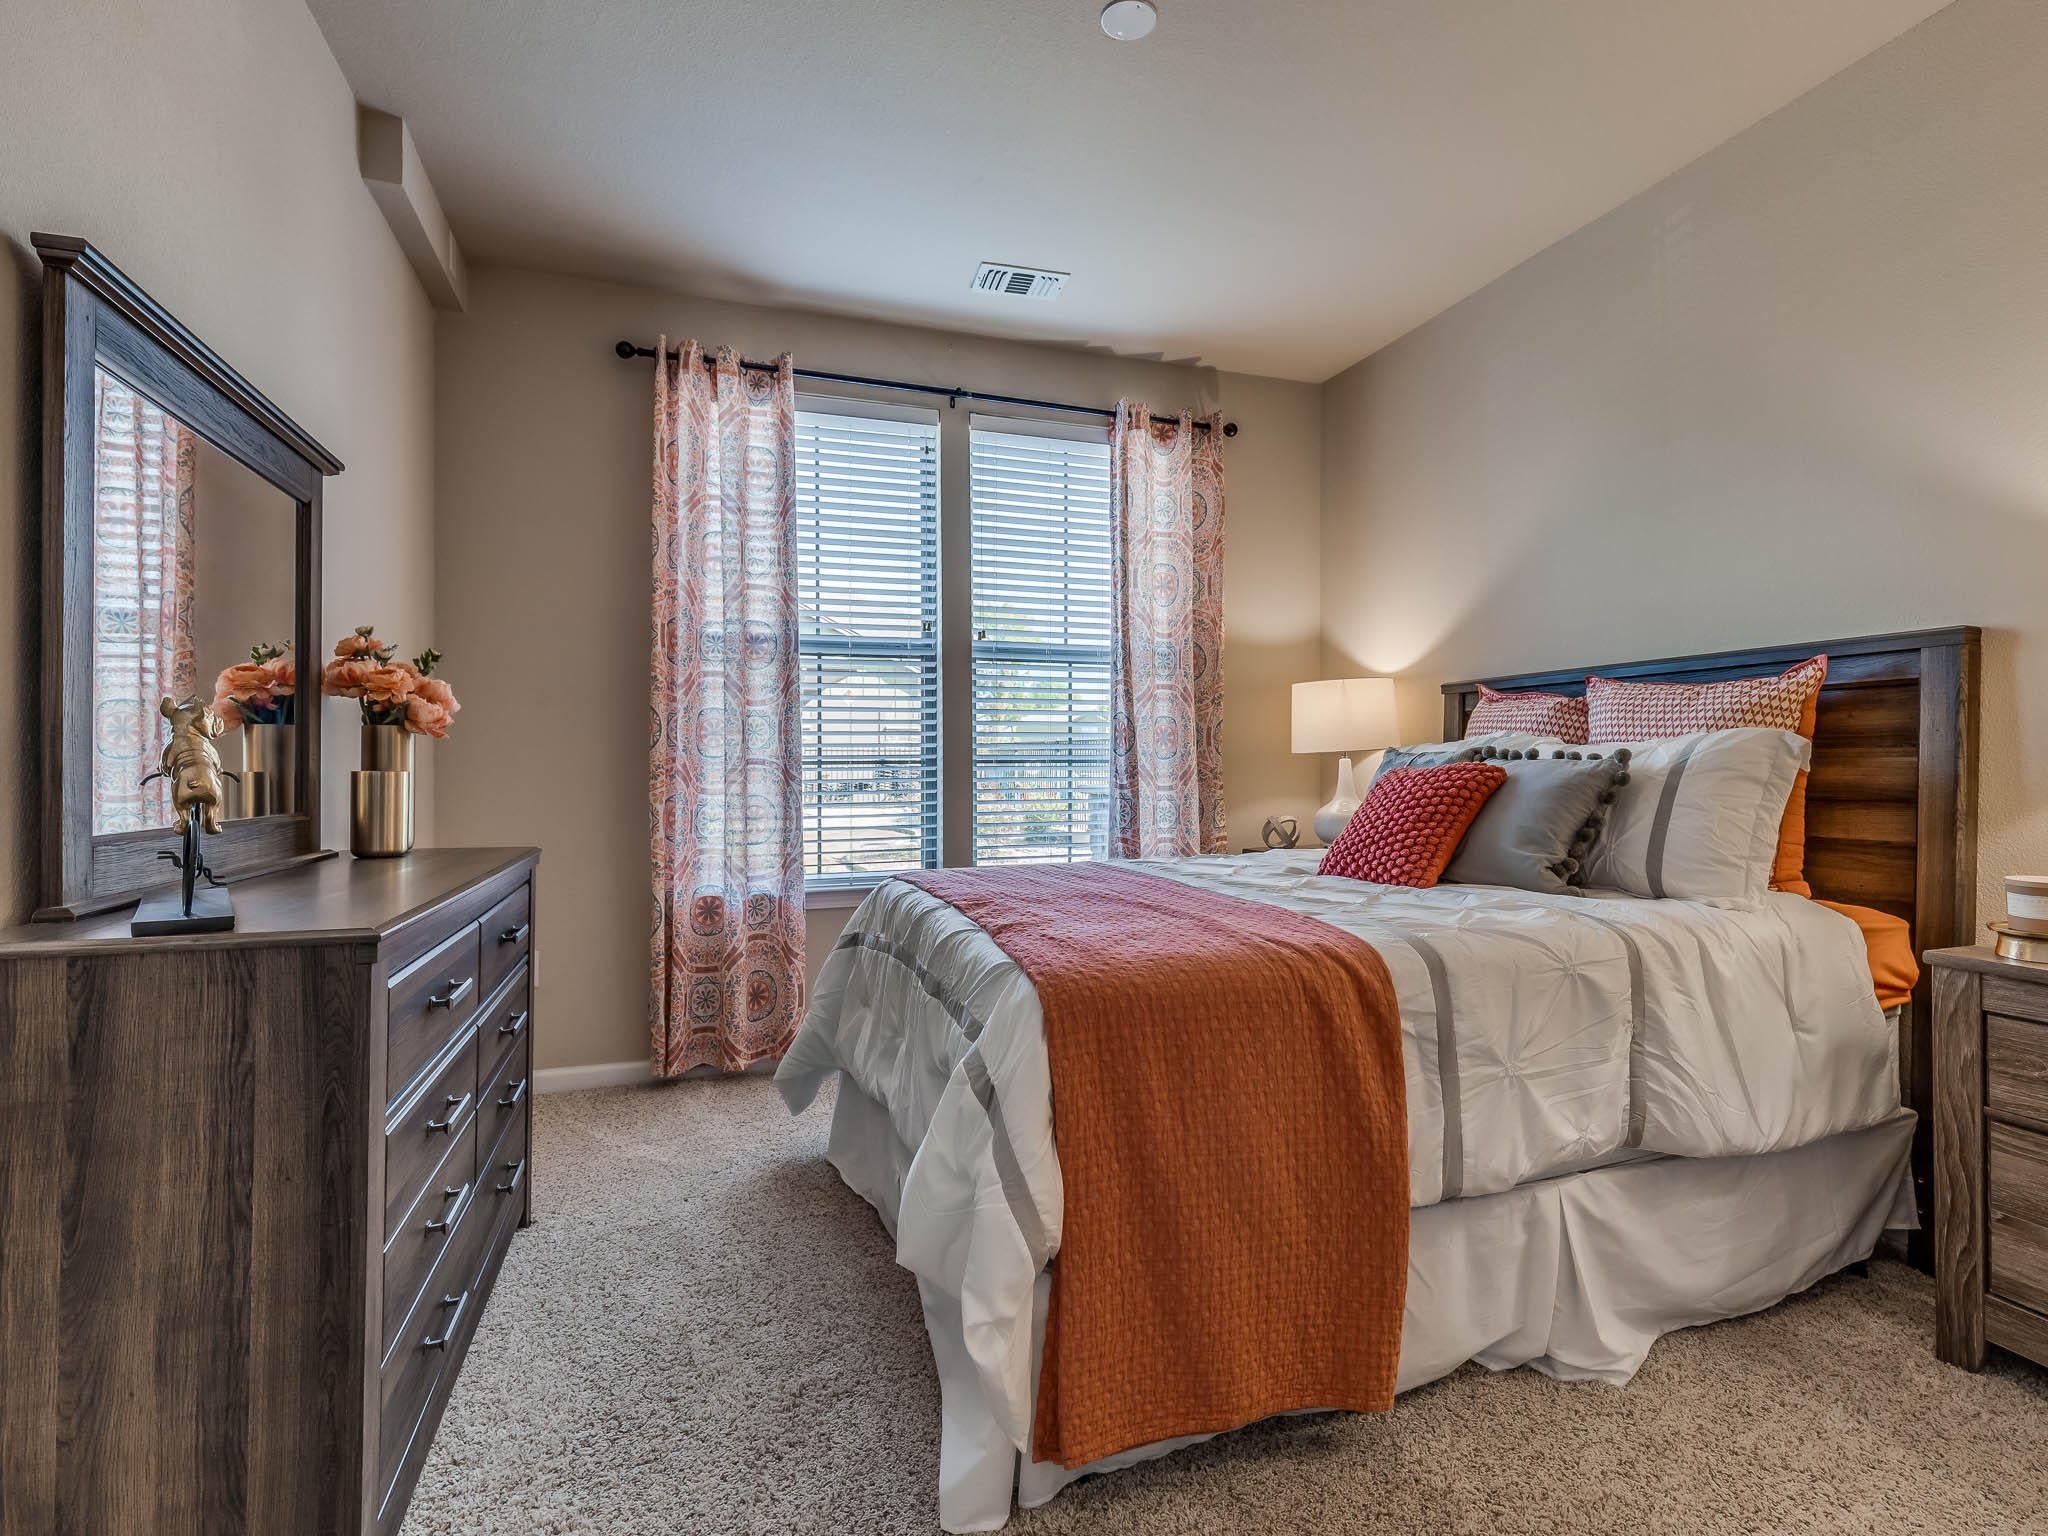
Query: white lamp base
(1331, 818)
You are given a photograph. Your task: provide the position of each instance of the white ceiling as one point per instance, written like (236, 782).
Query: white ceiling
(1274, 188)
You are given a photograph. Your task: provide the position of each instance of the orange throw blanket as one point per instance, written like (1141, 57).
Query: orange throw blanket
(1233, 1140)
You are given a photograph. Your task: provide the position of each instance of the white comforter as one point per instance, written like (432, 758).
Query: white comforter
(1540, 1033)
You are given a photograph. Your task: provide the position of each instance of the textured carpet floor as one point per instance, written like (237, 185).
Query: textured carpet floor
(704, 1331)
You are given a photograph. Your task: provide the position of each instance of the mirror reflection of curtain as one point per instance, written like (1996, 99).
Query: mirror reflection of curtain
(142, 648)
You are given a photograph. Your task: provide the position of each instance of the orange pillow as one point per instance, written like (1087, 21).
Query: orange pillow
(1888, 941)
(1620, 710)
(1411, 823)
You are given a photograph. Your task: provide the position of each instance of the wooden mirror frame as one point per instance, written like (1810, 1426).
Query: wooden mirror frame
(93, 317)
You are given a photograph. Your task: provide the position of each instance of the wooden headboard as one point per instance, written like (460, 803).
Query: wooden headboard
(1891, 805)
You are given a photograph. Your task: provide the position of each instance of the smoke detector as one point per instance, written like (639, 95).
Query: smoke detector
(1018, 282)
(1129, 20)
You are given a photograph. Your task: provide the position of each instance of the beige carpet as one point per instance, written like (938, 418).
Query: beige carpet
(704, 1332)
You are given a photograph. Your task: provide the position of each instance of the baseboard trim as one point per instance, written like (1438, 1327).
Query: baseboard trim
(603, 1074)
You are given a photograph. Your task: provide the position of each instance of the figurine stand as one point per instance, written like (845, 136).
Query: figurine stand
(193, 908)
(212, 911)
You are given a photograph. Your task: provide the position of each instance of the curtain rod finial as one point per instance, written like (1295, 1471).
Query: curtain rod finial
(627, 349)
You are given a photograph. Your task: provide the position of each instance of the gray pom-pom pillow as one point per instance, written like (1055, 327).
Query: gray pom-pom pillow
(1536, 830)
(1430, 754)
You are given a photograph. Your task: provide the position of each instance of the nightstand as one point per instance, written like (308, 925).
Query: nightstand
(1990, 1156)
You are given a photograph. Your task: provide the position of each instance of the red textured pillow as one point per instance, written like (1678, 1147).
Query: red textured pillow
(1540, 714)
(1411, 823)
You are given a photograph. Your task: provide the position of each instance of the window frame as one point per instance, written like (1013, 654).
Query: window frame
(826, 891)
(1027, 652)
(954, 623)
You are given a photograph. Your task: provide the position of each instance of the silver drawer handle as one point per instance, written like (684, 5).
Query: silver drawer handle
(515, 935)
(455, 1322)
(513, 1025)
(455, 1194)
(518, 1173)
(457, 991)
(511, 1100)
(457, 1101)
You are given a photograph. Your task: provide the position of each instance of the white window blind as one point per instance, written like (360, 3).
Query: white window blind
(867, 490)
(1040, 531)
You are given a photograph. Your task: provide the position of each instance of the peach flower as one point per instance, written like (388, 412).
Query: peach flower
(388, 685)
(228, 709)
(361, 643)
(435, 691)
(284, 673)
(426, 717)
(343, 679)
(245, 681)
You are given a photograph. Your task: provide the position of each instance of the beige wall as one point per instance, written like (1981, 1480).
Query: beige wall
(1798, 390)
(208, 148)
(242, 568)
(543, 585)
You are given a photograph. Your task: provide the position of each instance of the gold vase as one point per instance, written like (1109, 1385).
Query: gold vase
(387, 748)
(380, 813)
(269, 784)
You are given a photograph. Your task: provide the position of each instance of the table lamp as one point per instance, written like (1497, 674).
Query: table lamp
(1344, 715)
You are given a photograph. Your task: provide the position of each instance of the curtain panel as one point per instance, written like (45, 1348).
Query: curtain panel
(142, 649)
(1166, 639)
(725, 770)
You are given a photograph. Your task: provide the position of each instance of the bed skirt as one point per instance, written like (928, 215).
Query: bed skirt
(1576, 1276)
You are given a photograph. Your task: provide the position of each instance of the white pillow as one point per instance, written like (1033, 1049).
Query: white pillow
(1698, 818)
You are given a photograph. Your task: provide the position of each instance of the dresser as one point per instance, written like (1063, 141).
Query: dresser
(255, 1188)
(1990, 1155)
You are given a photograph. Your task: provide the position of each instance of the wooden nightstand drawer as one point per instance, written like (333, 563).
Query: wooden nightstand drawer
(2016, 1068)
(2018, 1198)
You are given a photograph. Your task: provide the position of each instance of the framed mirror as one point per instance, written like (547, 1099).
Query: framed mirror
(181, 559)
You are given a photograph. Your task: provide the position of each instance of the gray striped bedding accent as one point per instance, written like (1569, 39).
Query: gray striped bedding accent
(1660, 828)
(1635, 1023)
(1446, 1064)
(1016, 1188)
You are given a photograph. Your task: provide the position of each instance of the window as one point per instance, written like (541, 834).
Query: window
(867, 491)
(1040, 533)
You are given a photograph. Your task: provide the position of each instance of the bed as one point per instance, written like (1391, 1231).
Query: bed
(1624, 1115)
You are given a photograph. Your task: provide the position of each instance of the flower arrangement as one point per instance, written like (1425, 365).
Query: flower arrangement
(401, 693)
(259, 691)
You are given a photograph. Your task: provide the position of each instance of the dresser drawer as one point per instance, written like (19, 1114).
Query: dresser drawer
(426, 1231)
(507, 936)
(430, 1003)
(503, 1099)
(501, 1186)
(417, 1143)
(505, 1023)
(429, 1343)
(2017, 1190)
(2016, 1067)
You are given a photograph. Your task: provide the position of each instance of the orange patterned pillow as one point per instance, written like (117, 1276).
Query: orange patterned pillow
(1619, 710)
(1411, 823)
(1557, 715)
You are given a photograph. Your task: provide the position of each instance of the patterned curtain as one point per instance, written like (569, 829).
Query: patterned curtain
(142, 650)
(726, 781)
(1166, 641)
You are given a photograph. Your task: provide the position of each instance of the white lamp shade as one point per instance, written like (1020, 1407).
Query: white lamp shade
(1346, 714)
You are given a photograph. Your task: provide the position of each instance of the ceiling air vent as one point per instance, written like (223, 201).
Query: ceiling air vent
(1018, 282)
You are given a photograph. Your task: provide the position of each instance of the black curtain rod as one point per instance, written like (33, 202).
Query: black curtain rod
(627, 350)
